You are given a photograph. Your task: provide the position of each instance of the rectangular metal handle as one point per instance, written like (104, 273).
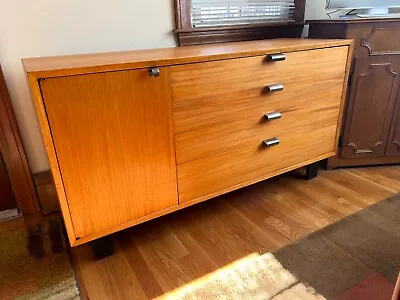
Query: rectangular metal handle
(364, 151)
(276, 57)
(271, 142)
(273, 116)
(274, 87)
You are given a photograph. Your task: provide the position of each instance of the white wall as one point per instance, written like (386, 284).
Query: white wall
(50, 27)
(315, 9)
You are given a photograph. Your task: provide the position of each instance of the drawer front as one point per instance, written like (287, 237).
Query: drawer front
(302, 108)
(206, 93)
(222, 172)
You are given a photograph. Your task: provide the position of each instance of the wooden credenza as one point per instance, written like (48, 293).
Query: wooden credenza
(131, 136)
(371, 126)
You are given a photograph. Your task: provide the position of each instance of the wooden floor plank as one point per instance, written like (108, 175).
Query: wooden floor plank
(164, 254)
(89, 278)
(161, 250)
(139, 266)
(115, 272)
(386, 177)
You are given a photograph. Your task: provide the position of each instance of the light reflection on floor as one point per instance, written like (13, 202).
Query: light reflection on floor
(252, 277)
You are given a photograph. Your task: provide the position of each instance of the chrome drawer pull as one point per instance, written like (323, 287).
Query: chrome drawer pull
(273, 116)
(275, 87)
(271, 142)
(154, 72)
(276, 57)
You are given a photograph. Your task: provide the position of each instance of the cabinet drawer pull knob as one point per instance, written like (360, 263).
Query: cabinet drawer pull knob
(154, 72)
(273, 116)
(270, 142)
(276, 57)
(274, 87)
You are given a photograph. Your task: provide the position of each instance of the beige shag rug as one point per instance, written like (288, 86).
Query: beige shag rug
(253, 277)
(35, 264)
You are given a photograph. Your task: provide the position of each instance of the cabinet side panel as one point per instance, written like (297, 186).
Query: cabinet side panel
(51, 154)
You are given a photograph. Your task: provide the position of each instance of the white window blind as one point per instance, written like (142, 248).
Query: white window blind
(240, 12)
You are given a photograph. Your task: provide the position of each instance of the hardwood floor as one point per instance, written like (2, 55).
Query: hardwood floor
(164, 254)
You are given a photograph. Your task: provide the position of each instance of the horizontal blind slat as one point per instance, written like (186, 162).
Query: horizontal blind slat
(239, 12)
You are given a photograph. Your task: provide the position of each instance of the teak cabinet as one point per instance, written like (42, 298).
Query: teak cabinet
(371, 126)
(131, 136)
(7, 200)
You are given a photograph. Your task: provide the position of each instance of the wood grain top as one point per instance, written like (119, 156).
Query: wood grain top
(112, 61)
(352, 20)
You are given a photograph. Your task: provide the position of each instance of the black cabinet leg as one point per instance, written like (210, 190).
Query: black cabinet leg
(103, 247)
(312, 171)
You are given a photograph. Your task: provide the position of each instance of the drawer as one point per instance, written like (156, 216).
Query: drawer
(204, 93)
(302, 108)
(241, 166)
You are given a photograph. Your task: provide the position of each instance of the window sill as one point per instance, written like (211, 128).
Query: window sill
(209, 35)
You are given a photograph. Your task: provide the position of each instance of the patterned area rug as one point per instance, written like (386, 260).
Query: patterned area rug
(356, 258)
(35, 264)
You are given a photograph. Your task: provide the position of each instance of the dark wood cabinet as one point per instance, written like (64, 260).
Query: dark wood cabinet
(372, 99)
(7, 200)
(370, 132)
(393, 147)
(14, 167)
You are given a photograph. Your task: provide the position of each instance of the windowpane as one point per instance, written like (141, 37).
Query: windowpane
(240, 12)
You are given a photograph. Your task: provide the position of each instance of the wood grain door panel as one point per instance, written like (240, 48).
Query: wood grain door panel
(114, 141)
(7, 200)
(381, 42)
(213, 175)
(206, 93)
(373, 93)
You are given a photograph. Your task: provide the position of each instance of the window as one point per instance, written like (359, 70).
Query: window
(205, 13)
(211, 21)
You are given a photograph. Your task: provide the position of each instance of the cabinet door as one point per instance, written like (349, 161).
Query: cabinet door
(113, 138)
(373, 93)
(393, 146)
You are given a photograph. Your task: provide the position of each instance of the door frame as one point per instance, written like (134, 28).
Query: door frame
(14, 157)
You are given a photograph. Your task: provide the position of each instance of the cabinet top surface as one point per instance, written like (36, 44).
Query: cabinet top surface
(353, 20)
(112, 61)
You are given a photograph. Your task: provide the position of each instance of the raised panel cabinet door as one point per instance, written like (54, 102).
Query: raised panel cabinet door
(113, 138)
(373, 93)
(393, 146)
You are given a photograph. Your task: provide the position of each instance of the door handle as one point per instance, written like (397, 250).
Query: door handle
(154, 72)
